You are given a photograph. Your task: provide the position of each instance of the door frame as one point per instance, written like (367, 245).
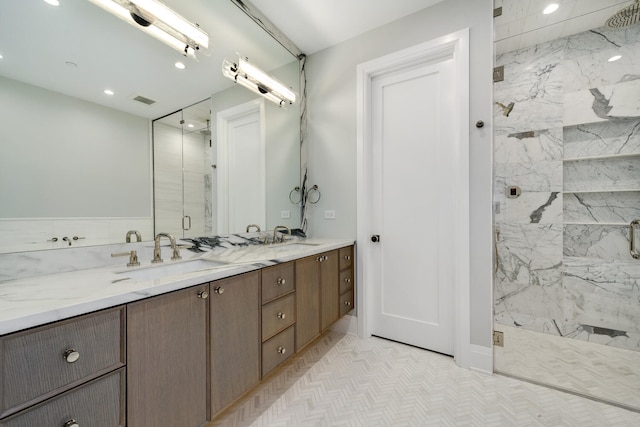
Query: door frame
(455, 46)
(222, 124)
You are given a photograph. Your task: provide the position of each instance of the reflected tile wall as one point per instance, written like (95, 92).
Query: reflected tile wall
(567, 132)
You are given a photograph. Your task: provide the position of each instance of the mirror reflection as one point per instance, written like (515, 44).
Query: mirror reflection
(76, 162)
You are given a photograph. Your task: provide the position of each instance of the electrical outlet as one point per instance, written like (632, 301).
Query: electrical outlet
(285, 214)
(329, 214)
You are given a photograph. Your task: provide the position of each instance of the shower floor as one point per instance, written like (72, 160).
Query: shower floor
(603, 372)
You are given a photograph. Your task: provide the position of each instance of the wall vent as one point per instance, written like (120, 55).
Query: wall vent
(143, 99)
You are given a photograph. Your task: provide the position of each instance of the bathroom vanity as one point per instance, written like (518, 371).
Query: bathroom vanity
(166, 351)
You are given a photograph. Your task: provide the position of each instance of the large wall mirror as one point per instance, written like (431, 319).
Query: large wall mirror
(80, 167)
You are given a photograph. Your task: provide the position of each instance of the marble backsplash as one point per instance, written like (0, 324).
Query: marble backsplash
(567, 132)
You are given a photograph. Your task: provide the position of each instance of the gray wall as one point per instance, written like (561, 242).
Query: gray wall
(64, 157)
(332, 131)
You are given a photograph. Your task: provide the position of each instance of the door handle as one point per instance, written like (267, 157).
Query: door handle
(375, 238)
(186, 227)
(632, 238)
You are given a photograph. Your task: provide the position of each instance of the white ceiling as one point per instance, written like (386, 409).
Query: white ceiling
(522, 23)
(314, 25)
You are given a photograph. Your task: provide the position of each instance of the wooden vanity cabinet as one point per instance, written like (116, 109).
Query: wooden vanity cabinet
(167, 359)
(278, 315)
(346, 281)
(235, 338)
(317, 296)
(45, 362)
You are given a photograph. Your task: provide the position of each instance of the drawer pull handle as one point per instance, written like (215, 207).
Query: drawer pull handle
(281, 315)
(281, 281)
(282, 350)
(71, 423)
(219, 290)
(203, 294)
(347, 303)
(71, 356)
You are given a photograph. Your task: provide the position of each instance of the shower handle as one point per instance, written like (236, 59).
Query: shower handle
(632, 238)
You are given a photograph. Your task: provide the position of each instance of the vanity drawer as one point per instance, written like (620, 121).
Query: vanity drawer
(277, 350)
(99, 403)
(346, 303)
(277, 280)
(278, 315)
(346, 257)
(36, 363)
(346, 280)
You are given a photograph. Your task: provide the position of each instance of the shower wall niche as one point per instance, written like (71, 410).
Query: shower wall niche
(571, 142)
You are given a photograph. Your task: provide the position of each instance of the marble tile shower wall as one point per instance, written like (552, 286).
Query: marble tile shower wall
(571, 142)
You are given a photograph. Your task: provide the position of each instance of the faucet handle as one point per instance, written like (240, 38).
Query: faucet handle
(133, 258)
(176, 252)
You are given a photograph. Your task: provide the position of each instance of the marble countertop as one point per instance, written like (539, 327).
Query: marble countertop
(34, 301)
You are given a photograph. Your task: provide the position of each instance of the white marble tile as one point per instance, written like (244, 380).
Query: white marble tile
(602, 174)
(528, 277)
(606, 138)
(599, 39)
(602, 294)
(528, 147)
(619, 207)
(602, 103)
(594, 69)
(539, 176)
(600, 242)
(534, 208)
(533, 82)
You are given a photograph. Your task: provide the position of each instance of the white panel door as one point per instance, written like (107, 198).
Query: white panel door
(241, 168)
(412, 153)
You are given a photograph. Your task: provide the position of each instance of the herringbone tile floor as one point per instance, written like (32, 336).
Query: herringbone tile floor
(344, 381)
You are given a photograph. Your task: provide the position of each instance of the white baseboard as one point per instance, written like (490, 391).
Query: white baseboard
(347, 324)
(481, 359)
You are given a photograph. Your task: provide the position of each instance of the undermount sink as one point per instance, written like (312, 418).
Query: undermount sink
(297, 245)
(164, 270)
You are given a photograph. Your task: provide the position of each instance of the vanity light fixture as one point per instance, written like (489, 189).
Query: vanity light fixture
(614, 58)
(161, 22)
(253, 78)
(551, 8)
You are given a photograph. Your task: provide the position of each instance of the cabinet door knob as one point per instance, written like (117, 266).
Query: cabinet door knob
(281, 315)
(347, 303)
(347, 280)
(282, 350)
(203, 294)
(347, 257)
(219, 290)
(281, 281)
(71, 355)
(319, 259)
(71, 423)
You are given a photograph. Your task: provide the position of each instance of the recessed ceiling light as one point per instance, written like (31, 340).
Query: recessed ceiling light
(108, 91)
(0, 56)
(180, 65)
(190, 125)
(614, 58)
(53, 2)
(551, 8)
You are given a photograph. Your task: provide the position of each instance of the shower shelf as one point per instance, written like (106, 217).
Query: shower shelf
(630, 190)
(604, 224)
(603, 157)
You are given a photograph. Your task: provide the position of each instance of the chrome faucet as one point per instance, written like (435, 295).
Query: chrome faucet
(157, 258)
(257, 227)
(275, 231)
(137, 234)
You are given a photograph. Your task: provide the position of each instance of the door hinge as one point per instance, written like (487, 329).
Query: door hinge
(498, 74)
(497, 12)
(498, 338)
